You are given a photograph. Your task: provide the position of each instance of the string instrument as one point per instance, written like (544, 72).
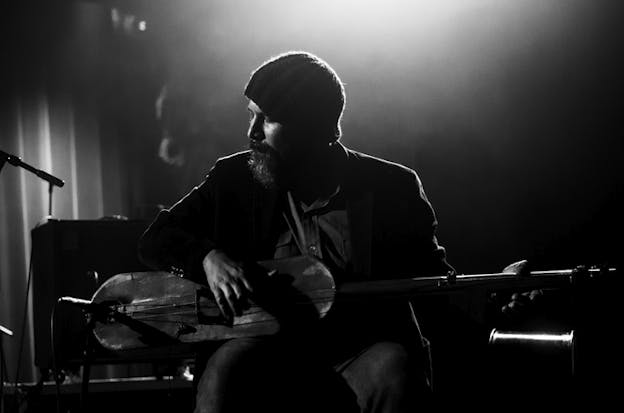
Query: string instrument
(145, 309)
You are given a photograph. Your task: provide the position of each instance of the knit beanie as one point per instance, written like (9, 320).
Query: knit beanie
(299, 89)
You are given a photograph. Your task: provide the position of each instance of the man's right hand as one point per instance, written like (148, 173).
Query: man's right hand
(227, 282)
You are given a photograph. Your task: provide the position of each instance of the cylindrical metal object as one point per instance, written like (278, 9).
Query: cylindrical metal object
(548, 350)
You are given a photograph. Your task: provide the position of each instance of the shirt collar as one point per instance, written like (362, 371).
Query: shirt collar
(336, 164)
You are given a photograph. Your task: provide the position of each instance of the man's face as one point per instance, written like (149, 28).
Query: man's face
(277, 149)
(265, 132)
(271, 146)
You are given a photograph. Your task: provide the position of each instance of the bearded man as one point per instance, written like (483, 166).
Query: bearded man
(299, 191)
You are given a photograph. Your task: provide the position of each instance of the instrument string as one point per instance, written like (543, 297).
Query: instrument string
(187, 312)
(151, 313)
(150, 306)
(239, 324)
(235, 324)
(181, 313)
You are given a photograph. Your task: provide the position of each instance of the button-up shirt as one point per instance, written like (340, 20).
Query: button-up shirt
(320, 229)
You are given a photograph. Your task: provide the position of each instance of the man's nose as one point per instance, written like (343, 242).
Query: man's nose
(255, 133)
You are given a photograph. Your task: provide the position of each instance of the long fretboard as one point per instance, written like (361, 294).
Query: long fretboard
(445, 284)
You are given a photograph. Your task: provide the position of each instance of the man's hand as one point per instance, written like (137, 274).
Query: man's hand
(521, 305)
(227, 282)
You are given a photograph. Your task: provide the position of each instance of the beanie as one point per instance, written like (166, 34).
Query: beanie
(300, 89)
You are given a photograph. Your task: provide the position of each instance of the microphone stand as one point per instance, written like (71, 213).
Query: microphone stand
(51, 179)
(3, 330)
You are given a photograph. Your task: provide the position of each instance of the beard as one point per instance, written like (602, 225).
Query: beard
(264, 164)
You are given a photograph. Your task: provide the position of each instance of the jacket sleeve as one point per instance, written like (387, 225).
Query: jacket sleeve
(180, 237)
(432, 255)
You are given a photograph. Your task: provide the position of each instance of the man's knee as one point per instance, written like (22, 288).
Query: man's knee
(228, 368)
(390, 366)
(232, 357)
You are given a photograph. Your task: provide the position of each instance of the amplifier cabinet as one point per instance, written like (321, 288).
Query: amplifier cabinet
(73, 258)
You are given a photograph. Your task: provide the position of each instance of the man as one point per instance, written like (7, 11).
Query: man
(299, 191)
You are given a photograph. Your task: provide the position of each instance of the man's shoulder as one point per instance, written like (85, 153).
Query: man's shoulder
(230, 170)
(234, 160)
(235, 163)
(375, 169)
(376, 163)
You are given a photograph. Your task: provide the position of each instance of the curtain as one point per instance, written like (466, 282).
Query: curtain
(51, 118)
(49, 133)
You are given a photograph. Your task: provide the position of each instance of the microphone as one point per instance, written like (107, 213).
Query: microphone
(17, 161)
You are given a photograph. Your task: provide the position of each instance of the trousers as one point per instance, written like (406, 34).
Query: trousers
(278, 375)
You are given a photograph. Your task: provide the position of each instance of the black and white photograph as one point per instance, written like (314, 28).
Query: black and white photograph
(309, 206)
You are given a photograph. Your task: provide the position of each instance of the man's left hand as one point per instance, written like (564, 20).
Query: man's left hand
(521, 304)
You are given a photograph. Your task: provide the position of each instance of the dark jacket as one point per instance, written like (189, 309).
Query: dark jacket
(391, 221)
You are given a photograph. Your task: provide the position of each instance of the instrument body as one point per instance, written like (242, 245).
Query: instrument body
(160, 308)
